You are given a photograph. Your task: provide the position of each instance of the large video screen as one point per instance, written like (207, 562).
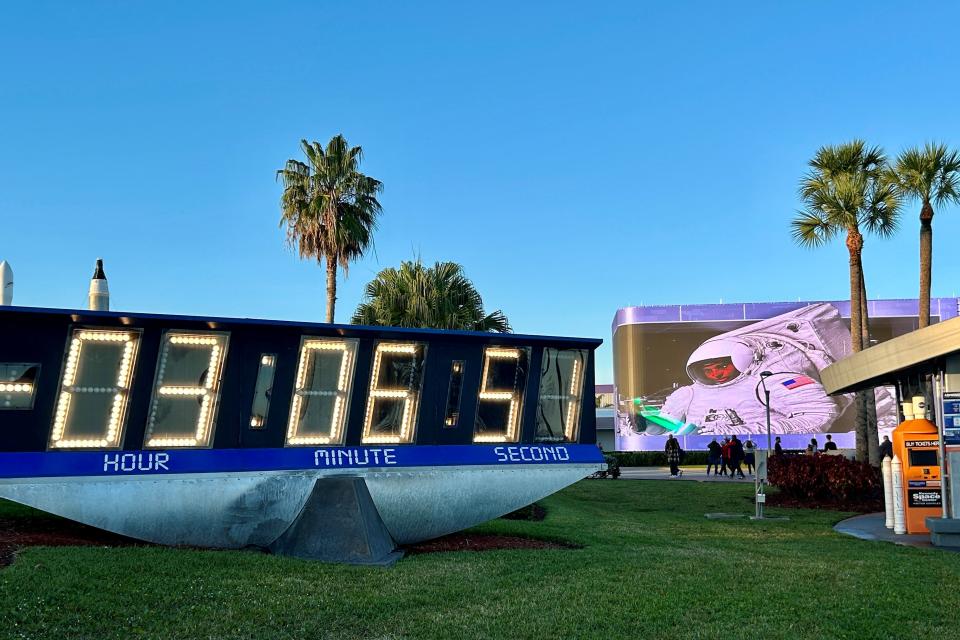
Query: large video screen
(695, 371)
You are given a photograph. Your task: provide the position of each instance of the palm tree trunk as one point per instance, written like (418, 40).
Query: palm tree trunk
(869, 397)
(854, 247)
(331, 288)
(926, 261)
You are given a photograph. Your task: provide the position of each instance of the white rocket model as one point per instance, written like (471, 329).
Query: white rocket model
(6, 282)
(99, 296)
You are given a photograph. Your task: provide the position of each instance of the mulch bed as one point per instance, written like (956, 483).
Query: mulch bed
(533, 512)
(483, 542)
(858, 506)
(16, 533)
(491, 542)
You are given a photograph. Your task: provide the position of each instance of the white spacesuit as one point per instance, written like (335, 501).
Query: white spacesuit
(795, 346)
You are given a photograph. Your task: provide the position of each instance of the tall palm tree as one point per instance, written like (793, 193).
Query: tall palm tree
(438, 297)
(329, 208)
(932, 176)
(846, 192)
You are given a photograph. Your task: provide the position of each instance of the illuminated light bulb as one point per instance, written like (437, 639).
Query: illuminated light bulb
(502, 353)
(489, 438)
(396, 348)
(182, 391)
(341, 380)
(326, 345)
(513, 423)
(389, 393)
(573, 378)
(294, 418)
(496, 395)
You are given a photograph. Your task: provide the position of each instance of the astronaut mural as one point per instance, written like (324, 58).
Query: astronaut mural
(722, 392)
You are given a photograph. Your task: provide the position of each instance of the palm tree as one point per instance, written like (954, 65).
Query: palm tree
(329, 208)
(438, 297)
(845, 192)
(932, 176)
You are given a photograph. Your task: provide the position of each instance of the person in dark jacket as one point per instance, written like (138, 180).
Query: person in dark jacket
(672, 449)
(829, 445)
(713, 457)
(777, 448)
(736, 457)
(886, 448)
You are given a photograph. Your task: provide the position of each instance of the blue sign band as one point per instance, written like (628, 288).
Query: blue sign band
(176, 461)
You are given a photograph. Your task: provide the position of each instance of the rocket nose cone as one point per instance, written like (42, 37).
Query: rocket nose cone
(6, 283)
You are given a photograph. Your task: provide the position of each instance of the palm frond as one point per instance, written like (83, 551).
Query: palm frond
(812, 229)
(929, 174)
(848, 186)
(439, 297)
(330, 209)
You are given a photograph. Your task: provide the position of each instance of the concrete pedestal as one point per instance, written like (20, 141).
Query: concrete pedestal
(339, 523)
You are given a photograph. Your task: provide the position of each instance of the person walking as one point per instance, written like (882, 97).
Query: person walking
(736, 457)
(713, 457)
(777, 447)
(672, 449)
(750, 456)
(725, 456)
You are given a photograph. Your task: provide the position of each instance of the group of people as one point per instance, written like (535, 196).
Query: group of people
(828, 446)
(731, 456)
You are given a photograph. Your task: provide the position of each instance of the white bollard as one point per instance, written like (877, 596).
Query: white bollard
(899, 520)
(919, 407)
(887, 492)
(907, 408)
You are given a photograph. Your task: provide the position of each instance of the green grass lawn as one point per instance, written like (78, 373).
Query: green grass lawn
(651, 566)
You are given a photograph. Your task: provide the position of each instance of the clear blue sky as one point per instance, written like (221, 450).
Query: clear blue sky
(575, 158)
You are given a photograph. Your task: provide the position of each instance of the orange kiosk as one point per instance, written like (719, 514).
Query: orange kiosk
(916, 443)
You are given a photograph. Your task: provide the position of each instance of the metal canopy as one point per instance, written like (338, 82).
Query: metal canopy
(889, 361)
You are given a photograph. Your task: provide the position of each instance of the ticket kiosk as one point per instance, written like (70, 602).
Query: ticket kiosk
(917, 444)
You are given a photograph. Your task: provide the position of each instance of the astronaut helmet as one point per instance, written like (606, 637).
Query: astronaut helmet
(720, 362)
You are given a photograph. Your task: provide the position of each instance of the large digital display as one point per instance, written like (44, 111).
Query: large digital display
(501, 394)
(394, 393)
(701, 371)
(107, 381)
(322, 395)
(94, 386)
(187, 390)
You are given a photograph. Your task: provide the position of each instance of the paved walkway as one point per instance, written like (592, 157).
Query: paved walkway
(871, 527)
(663, 473)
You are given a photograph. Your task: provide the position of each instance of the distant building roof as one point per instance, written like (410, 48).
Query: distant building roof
(603, 388)
(943, 308)
(882, 363)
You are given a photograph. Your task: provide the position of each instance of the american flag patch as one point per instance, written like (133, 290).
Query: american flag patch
(799, 381)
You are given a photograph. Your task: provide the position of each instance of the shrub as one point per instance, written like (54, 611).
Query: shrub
(825, 480)
(655, 458)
